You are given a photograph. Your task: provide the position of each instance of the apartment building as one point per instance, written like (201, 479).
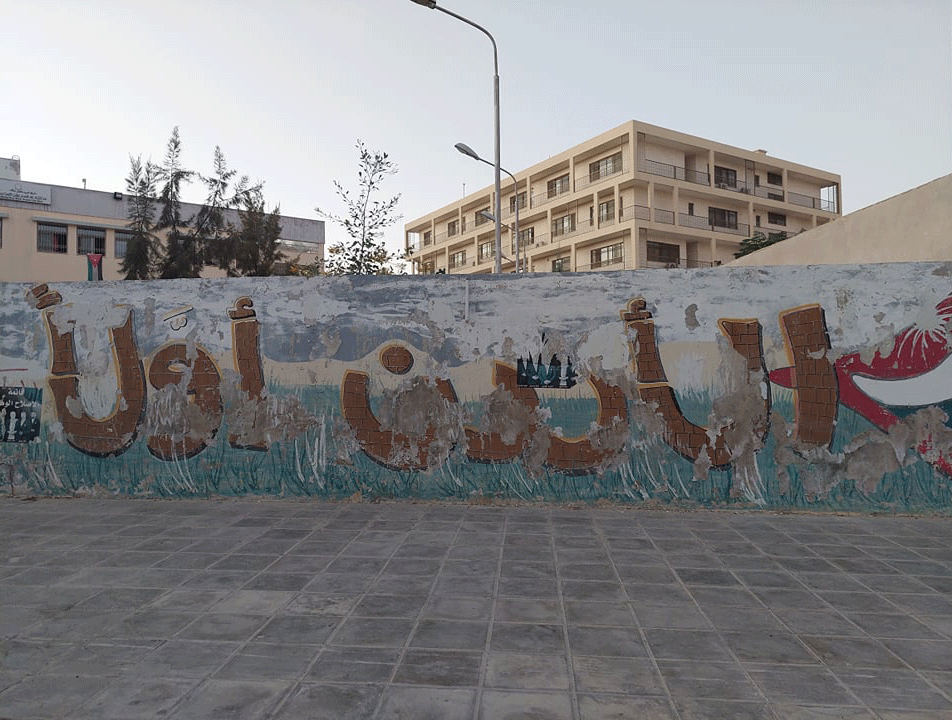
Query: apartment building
(638, 196)
(52, 233)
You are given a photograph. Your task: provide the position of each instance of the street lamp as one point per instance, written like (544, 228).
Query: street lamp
(433, 6)
(467, 150)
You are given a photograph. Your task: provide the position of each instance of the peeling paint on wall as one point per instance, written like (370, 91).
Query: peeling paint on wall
(776, 387)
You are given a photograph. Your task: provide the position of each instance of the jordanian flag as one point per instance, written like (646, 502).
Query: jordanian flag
(94, 266)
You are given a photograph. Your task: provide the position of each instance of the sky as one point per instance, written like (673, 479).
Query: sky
(862, 88)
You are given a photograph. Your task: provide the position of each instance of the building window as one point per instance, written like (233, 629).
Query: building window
(718, 217)
(776, 218)
(608, 255)
(774, 178)
(428, 268)
(757, 220)
(428, 238)
(90, 240)
(452, 228)
(725, 177)
(561, 265)
(50, 238)
(520, 198)
(121, 245)
(604, 167)
(690, 208)
(563, 225)
(458, 259)
(526, 237)
(606, 211)
(659, 252)
(487, 251)
(481, 216)
(1, 232)
(558, 186)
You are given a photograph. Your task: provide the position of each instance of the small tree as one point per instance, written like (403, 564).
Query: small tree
(180, 258)
(141, 252)
(365, 220)
(758, 241)
(211, 236)
(255, 241)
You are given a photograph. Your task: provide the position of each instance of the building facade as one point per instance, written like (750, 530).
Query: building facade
(638, 196)
(48, 233)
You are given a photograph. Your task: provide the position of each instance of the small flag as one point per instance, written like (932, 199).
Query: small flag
(94, 262)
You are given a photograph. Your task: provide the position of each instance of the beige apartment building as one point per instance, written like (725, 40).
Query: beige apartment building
(49, 232)
(638, 196)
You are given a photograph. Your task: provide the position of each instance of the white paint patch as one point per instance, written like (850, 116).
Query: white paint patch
(930, 388)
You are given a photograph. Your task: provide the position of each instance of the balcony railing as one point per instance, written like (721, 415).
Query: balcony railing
(590, 178)
(769, 193)
(694, 221)
(634, 211)
(811, 202)
(664, 216)
(653, 167)
(614, 263)
(680, 265)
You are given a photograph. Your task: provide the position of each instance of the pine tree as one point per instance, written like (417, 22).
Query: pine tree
(180, 258)
(211, 236)
(759, 241)
(365, 221)
(255, 241)
(141, 248)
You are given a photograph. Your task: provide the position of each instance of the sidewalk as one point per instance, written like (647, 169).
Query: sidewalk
(114, 609)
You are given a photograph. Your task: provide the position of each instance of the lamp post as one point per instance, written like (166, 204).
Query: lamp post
(433, 6)
(467, 150)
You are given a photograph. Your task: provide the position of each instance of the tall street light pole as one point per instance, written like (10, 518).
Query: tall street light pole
(433, 6)
(467, 150)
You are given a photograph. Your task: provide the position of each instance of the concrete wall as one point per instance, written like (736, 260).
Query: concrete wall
(783, 387)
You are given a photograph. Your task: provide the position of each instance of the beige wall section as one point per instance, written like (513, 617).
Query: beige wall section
(661, 171)
(914, 226)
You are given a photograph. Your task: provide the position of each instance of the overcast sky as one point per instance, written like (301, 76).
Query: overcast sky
(858, 87)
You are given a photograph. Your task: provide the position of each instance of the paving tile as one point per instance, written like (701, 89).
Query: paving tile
(700, 679)
(592, 591)
(145, 698)
(222, 626)
(923, 654)
(321, 605)
(231, 699)
(683, 616)
(404, 703)
(792, 711)
(451, 608)
(185, 659)
(378, 632)
(896, 690)
(527, 672)
(768, 647)
(495, 704)
(893, 625)
(49, 696)
(850, 652)
(330, 702)
(624, 707)
(633, 676)
(98, 659)
(439, 667)
(528, 610)
(803, 685)
(354, 665)
(450, 635)
(298, 629)
(527, 638)
(396, 606)
(710, 709)
(686, 644)
(268, 661)
(189, 599)
(606, 641)
(253, 602)
(817, 622)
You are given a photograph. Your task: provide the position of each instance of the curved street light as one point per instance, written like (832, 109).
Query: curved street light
(468, 151)
(431, 4)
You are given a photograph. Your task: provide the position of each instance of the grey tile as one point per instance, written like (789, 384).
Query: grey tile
(715, 709)
(244, 562)
(527, 672)
(527, 638)
(768, 647)
(624, 707)
(858, 602)
(439, 667)
(704, 576)
(800, 685)
(184, 659)
(593, 591)
(495, 704)
(685, 616)
(849, 652)
(792, 711)
(528, 587)
(354, 665)
(254, 602)
(656, 594)
(606, 641)
(893, 625)
(331, 702)
(97, 659)
(222, 626)
(896, 690)
(923, 654)
(339, 583)
(146, 697)
(529, 610)
(300, 629)
(634, 676)
(321, 605)
(686, 644)
(379, 632)
(268, 661)
(817, 622)
(396, 606)
(189, 599)
(49, 696)
(450, 634)
(225, 699)
(582, 612)
(451, 608)
(279, 581)
(402, 703)
(709, 680)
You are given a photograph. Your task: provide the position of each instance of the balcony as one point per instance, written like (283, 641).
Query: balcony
(664, 216)
(634, 211)
(811, 202)
(680, 265)
(769, 193)
(591, 178)
(653, 167)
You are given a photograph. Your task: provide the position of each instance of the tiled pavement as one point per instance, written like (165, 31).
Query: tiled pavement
(116, 609)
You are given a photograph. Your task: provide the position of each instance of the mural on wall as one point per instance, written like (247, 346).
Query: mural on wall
(412, 387)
